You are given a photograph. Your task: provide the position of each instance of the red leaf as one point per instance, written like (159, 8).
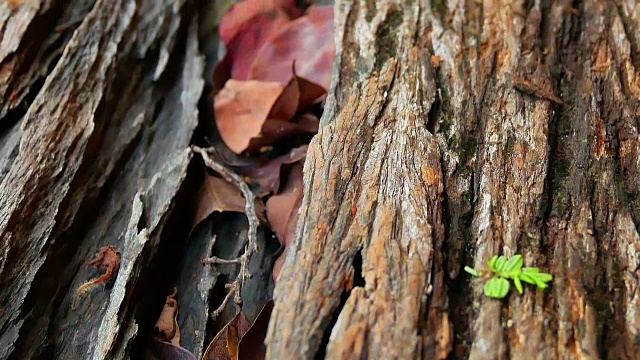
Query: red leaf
(268, 176)
(243, 12)
(250, 38)
(241, 108)
(282, 212)
(307, 41)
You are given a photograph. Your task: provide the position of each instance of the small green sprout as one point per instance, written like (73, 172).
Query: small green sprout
(504, 268)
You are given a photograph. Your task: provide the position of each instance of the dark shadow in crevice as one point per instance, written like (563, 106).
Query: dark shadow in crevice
(434, 115)
(358, 279)
(322, 350)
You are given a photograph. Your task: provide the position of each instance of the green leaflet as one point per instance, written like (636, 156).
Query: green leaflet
(514, 265)
(471, 271)
(496, 288)
(516, 281)
(503, 269)
(500, 264)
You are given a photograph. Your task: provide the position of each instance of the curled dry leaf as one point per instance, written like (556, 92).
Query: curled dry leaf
(267, 176)
(309, 122)
(241, 339)
(282, 212)
(298, 94)
(251, 346)
(276, 131)
(241, 108)
(225, 344)
(167, 324)
(216, 194)
(252, 114)
(307, 41)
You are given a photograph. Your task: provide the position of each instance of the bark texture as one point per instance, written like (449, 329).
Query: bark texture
(453, 131)
(99, 104)
(444, 143)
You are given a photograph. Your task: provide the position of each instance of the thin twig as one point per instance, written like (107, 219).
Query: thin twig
(217, 260)
(234, 290)
(252, 244)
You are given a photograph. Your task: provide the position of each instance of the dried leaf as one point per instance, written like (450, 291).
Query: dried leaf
(251, 346)
(275, 131)
(232, 341)
(282, 212)
(245, 123)
(309, 122)
(231, 334)
(241, 108)
(159, 350)
(167, 324)
(307, 41)
(268, 176)
(244, 29)
(243, 12)
(250, 38)
(296, 95)
(216, 194)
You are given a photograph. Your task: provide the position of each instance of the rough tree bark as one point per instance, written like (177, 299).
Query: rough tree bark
(99, 104)
(442, 143)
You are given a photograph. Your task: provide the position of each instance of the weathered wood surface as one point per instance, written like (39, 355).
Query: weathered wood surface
(432, 155)
(430, 158)
(96, 156)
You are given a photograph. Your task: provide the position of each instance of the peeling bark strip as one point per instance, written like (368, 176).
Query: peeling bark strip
(448, 166)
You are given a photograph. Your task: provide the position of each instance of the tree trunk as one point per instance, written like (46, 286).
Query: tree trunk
(453, 131)
(443, 143)
(99, 104)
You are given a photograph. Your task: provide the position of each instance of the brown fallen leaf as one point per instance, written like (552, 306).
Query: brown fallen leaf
(296, 95)
(251, 115)
(282, 212)
(275, 131)
(309, 122)
(251, 346)
(307, 41)
(217, 195)
(241, 108)
(167, 324)
(225, 344)
(268, 176)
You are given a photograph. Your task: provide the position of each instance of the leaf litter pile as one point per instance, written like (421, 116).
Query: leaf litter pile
(268, 93)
